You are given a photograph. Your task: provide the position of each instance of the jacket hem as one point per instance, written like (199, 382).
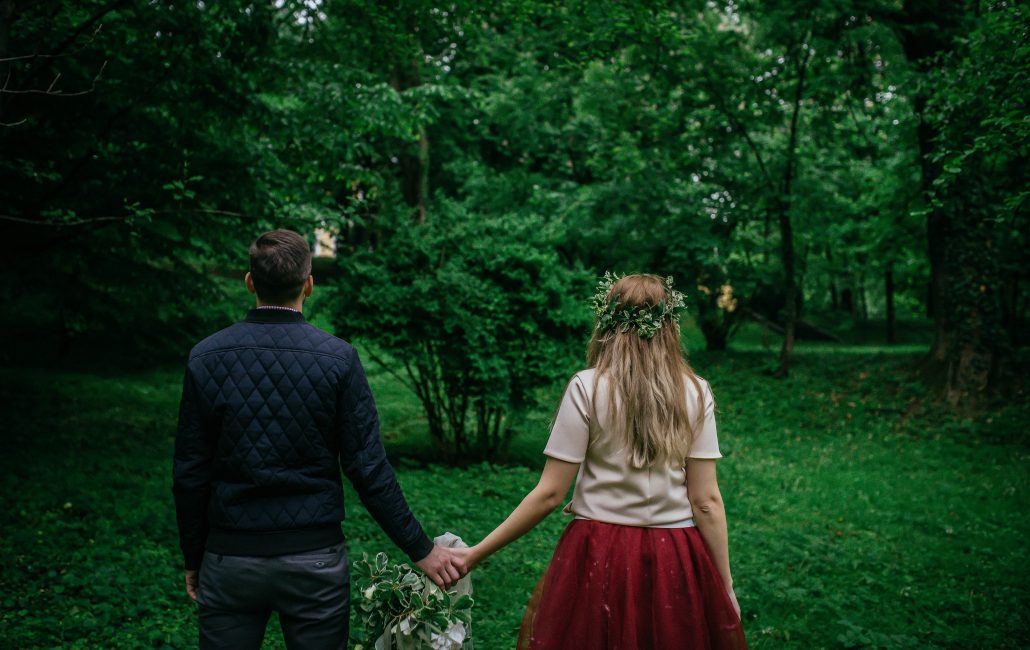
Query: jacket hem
(272, 542)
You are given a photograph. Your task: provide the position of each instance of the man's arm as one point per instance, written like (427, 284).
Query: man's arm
(191, 475)
(365, 465)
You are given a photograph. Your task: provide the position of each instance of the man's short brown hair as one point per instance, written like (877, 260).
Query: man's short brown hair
(280, 263)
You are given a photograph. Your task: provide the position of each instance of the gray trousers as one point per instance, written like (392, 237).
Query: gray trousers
(310, 591)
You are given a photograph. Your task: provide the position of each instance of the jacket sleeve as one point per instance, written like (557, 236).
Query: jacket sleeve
(364, 463)
(191, 473)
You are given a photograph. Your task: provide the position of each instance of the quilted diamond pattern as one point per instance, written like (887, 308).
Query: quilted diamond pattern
(272, 389)
(272, 409)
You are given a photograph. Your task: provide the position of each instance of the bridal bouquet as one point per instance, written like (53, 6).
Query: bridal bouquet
(402, 609)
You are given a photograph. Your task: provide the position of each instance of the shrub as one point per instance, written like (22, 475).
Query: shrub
(476, 312)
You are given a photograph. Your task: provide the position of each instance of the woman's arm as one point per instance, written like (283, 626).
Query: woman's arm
(710, 517)
(541, 501)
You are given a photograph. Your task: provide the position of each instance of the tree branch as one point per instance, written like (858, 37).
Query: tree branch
(95, 18)
(720, 105)
(61, 55)
(372, 355)
(58, 224)
(801, 66)
(83, 222)
(50, 89)
(739, 126)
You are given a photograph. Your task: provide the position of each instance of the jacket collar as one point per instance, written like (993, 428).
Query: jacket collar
(273, 316)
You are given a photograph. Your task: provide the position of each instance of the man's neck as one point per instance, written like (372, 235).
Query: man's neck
(297, 306)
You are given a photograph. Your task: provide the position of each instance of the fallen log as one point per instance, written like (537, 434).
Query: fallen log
(803, 330)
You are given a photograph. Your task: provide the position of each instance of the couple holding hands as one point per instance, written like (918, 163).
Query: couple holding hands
(274, 408)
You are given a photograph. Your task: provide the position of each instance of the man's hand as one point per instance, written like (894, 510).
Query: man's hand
(443, 566)
(192, 583)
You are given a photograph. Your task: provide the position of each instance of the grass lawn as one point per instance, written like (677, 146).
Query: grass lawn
(860, 516)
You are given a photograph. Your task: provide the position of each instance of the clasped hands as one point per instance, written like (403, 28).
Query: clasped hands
(445, 566)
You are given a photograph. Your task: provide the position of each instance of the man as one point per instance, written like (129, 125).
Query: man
(271, 409)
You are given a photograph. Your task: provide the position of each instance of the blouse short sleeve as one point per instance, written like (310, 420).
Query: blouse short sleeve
(706, 444)
(570, 434)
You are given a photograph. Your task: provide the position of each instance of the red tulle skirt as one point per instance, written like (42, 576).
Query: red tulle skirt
(612, 587)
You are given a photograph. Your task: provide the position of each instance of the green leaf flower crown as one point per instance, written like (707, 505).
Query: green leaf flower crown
(648, 320)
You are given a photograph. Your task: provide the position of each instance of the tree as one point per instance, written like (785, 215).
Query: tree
(772, 75)
(977, 156)
(122, 199)
(476, 311)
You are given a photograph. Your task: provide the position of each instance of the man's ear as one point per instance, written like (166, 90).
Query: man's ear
(249, 281)
(309, 284)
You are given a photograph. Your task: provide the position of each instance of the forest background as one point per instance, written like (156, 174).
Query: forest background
(839, 187)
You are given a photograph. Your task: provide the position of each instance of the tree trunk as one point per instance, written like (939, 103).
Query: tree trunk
(971, 338)
(790, 308)
(927, 29)
(414, 166)
(888, 287)
(834, 301)
(422, 191)
(847, 301)
(6, 16)
(963, 357)
(936, 239)
(790, 287)
(1013, 308)
(715, 333)
(765, 237)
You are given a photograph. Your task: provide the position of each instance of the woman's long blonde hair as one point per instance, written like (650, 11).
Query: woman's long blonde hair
(647, 402)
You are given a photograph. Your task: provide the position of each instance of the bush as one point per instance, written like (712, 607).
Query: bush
(476, 312)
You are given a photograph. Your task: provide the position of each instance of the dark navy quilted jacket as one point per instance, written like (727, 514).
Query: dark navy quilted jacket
(272, 408)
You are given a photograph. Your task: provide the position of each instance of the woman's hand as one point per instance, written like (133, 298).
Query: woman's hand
(541, 501)
(468, 555)
(733, 599)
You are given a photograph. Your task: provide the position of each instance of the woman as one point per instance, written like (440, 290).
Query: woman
(645, 563)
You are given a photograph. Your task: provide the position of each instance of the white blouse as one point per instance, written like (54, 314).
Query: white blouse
(608, 488)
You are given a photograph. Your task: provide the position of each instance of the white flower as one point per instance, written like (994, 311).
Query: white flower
(405, 626)
(456, 632)
(451, 638)
(368, 593)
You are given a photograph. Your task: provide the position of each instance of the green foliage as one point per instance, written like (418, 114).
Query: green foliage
(666, 138)
(407, 610)
(979, 115)
(125, 198)
(478, 313)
